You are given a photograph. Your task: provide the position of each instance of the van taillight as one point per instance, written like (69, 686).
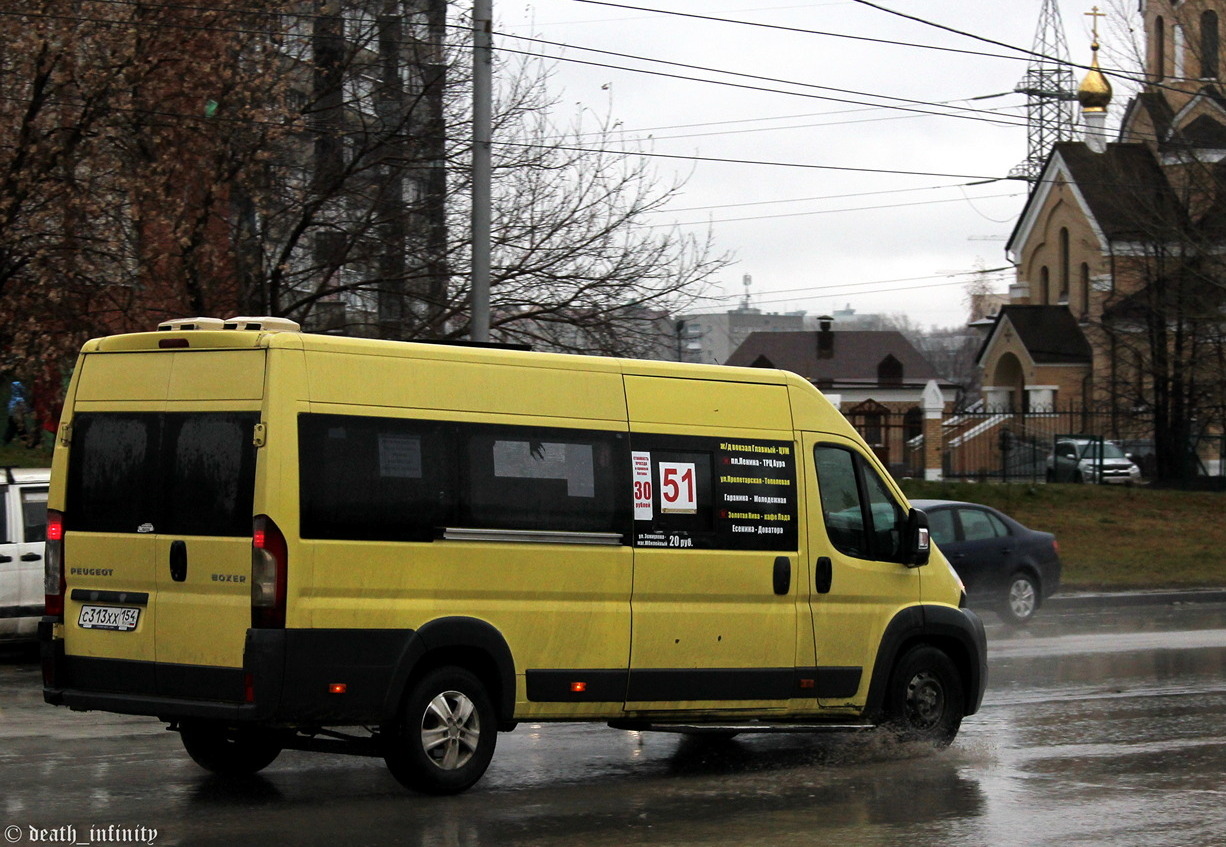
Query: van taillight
(53, 565)
(269, 559)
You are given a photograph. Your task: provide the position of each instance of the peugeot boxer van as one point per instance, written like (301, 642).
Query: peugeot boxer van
(271, 540)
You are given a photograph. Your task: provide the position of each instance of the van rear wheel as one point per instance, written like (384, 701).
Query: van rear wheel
(445, 737)
(230, 750)
(925, 700)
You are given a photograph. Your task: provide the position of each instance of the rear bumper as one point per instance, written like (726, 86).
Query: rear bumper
(290, 677)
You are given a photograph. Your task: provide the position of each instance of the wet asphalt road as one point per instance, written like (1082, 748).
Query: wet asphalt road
(1101, 726)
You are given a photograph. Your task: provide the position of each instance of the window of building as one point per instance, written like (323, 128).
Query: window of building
(1064, 265)
(1179, 45)
(1044, 286)
(1159, 48)
(1085, 289)
(1209, 45)
(889, 371)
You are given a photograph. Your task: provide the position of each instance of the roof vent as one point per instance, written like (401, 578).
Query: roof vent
(181, 324)
(263, 324)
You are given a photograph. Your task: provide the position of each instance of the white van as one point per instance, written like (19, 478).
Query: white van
(23, 533)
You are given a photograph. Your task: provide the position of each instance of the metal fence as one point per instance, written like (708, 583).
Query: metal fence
(1022, 447)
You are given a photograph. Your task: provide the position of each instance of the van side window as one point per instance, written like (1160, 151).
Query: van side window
(836, 477)
(34, 514)
(391, 479)
(4, 518)
(713, 493)
(862, 517)
(543, 479)
(366, 478)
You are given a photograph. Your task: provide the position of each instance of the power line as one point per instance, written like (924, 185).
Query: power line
(748, 131)
(802, 30)
(833, 211)
(1026, 54)
(719, 160)
(822, 197)
(691, 67)
(762, 88)
(842, 289)
(831, 113)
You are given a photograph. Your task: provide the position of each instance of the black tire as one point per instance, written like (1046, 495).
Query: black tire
(925, 701)
(1022, 599)
(445, 737)
(230, 750)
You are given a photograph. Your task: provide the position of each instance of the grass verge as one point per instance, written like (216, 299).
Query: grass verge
(17, 456)
(1112, 537)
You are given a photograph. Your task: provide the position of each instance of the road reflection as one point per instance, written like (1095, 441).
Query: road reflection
(1099, 727)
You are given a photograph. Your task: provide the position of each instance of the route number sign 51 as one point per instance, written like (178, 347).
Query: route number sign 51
(678, 488)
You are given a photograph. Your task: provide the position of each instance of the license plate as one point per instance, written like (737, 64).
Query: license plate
(118, 618)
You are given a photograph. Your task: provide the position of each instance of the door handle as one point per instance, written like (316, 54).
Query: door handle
(783, 575)
(30, 557)
(178, 561)
(4, 559)
(823, 575)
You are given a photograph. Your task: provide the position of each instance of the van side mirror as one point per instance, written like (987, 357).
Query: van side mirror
(918, 543)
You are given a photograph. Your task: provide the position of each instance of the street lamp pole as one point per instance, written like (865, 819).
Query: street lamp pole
(479, 328)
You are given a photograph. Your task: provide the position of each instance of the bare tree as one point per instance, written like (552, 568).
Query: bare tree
(308, 161)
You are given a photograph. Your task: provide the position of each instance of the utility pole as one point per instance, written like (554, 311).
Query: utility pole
(1050, 92)
(483, 70)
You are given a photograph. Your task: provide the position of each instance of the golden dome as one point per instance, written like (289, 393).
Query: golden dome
(1095, 92)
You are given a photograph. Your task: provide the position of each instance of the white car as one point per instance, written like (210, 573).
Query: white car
(23, 533)
(1080, 460)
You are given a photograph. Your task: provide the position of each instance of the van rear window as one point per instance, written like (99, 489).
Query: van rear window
(171, 473)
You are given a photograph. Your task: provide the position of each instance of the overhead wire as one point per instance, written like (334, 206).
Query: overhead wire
(1025, 54)
(834, 211)
(996, 118)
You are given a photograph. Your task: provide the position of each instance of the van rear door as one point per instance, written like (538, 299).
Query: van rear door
(158, 519)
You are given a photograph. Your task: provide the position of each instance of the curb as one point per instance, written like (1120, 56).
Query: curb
(1159, 597)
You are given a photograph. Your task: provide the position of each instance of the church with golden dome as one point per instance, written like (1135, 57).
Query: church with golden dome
(1119, 303)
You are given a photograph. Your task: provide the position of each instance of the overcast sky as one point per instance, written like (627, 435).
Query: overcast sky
(815, 238)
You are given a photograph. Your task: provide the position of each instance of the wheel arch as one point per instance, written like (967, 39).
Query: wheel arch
(958, 633)
(470, 643)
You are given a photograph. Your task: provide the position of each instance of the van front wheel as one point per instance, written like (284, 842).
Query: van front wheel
(925, 701)
(229, 750)
(446, 734)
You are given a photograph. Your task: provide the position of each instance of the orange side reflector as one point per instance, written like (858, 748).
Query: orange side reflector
(578, 687)
(338, 687)
(808, 683)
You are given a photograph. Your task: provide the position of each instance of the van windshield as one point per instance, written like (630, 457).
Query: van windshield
(181, 473)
